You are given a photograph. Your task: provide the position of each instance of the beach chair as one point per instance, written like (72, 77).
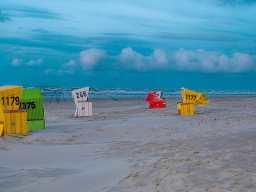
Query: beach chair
(12, 119)
(189, 96)
(155, 100)
(83, 105)
(189, 99)
(31, 100)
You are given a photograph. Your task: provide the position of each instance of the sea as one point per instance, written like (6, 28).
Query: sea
(48, 92)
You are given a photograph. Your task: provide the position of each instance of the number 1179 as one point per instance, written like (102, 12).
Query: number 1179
(11, 100)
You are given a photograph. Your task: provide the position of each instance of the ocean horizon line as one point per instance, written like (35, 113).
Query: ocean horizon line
(103, 92)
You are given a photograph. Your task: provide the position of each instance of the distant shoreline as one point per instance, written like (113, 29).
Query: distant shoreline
(143, 98)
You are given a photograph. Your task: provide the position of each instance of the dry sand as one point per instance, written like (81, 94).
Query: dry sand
(126, 147)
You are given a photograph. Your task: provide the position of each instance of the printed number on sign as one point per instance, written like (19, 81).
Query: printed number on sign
(150, 98)
(11, 100)
(81, 94)
(190, 97)
(28, 105)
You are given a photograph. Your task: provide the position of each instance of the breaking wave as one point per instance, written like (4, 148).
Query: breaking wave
(48, 92)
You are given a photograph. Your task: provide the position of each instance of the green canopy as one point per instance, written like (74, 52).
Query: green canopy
(31, 100)
(204, 95)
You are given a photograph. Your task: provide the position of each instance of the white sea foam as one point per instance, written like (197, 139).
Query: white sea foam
(48, 92)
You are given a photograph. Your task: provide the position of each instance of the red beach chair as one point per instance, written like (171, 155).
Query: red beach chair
(155, 101)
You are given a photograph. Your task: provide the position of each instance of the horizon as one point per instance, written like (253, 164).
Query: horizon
(103, 92)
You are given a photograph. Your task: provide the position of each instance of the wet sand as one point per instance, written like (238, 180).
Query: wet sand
(126, 147)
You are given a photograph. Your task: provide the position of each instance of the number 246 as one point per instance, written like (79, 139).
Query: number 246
(82, 94)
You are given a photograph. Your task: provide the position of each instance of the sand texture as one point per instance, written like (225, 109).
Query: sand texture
(126, 147)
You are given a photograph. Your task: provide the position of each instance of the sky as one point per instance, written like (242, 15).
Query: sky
(199, 44)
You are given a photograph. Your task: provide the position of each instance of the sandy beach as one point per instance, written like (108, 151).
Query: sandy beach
(125, 146)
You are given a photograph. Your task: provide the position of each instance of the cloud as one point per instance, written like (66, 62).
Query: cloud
(4, 17)
(70, 65)
(90, 58)
(42, 44)
(16, 62)
(236, 2)
(130, 59)
(212, 62)
(37, 63)
(28, 11)
(50, 71)
(45, 39)
(187, 60)
(222, 37)
(180, 60)
(118, 34)
(59, 72)
(65, 69)
(65, 72)
(228, 2)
